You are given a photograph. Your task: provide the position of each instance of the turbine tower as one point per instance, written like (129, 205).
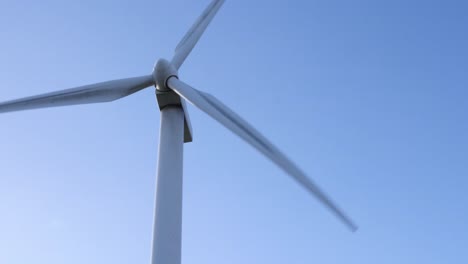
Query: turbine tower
(175, 129)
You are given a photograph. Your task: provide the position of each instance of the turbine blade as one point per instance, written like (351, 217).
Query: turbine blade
(217, 110)
(94, 93)
(191, 38)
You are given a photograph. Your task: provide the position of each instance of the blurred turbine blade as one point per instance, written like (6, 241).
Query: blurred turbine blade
(191, 38)
(217, 110)
(93, 93)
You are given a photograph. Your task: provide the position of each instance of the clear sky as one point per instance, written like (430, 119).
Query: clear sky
(369, 97)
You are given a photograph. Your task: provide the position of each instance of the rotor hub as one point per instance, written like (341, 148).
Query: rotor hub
(162, 72)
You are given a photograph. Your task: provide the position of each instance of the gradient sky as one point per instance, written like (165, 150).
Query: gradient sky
(369, 97)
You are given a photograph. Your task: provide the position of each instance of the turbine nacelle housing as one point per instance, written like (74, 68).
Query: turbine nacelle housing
(166, 97)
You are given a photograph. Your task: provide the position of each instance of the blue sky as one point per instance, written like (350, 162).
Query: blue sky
(369, 97)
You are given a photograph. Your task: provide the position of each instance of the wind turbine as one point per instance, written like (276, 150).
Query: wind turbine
(175, 129)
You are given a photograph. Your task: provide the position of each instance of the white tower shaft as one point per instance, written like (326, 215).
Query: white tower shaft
(167, 231)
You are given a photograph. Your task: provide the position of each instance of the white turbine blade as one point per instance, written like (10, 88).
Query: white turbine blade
(217, 110)
(94, 93)
(191, 38)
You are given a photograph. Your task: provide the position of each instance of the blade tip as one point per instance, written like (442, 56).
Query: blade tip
(352, 226)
